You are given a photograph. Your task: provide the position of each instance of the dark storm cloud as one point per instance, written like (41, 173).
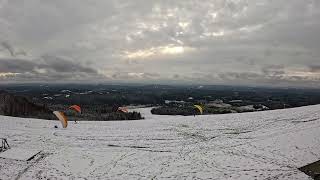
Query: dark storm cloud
(57, 64)
(16, 65)
(314, 68)
(47, 68)
(60, 64)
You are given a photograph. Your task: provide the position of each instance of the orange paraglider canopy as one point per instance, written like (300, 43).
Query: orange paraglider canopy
(123, 109)
(63, 119)
(76, 108)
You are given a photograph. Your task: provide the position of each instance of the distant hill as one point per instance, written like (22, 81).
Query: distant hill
(19, 106)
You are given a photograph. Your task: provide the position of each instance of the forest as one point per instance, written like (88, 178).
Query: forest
(99, 101)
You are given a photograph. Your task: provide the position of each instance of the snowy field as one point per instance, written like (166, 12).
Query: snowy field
(261, 145)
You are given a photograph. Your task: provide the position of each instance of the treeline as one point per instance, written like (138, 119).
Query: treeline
(20, 106)
(272, 98)
(166, 110)
(189, 110)
(114, 116)
(97, 113)
(155, 95)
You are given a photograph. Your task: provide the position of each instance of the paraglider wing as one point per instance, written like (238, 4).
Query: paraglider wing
(122, 109)
(199, 108)
(76, 108)
(62, 118)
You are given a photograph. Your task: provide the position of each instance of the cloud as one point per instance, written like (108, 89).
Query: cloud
(16, 65)
(212, 41)
(47, 68)
(135, 76)
(13, 52)
(63, 64)
(273, 70)
(314, 68)
(8, 47)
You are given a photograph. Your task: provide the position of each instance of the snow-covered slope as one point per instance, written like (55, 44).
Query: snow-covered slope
(261, 145)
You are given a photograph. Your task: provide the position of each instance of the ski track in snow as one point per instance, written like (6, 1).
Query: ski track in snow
(260, 145)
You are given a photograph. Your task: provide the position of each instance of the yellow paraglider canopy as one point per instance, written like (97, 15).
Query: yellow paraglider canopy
(199, 108)
(63, 119)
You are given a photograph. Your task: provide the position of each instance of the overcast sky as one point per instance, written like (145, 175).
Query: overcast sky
(249, 42)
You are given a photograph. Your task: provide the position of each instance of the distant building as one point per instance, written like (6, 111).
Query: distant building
(254, 108)
(236, 101)
(174, 102)
(47, 97)
(217, 101)
(202, 101)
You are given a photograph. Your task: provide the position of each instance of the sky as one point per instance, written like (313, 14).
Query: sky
(229, 42)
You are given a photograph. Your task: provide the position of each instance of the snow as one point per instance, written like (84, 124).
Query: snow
(19, 154)
(258, 145)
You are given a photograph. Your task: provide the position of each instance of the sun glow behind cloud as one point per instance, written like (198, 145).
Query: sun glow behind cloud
(216, 34)
(139, 54)
(304, 74)
(156, 51)
(172, 50)
(7, 74)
